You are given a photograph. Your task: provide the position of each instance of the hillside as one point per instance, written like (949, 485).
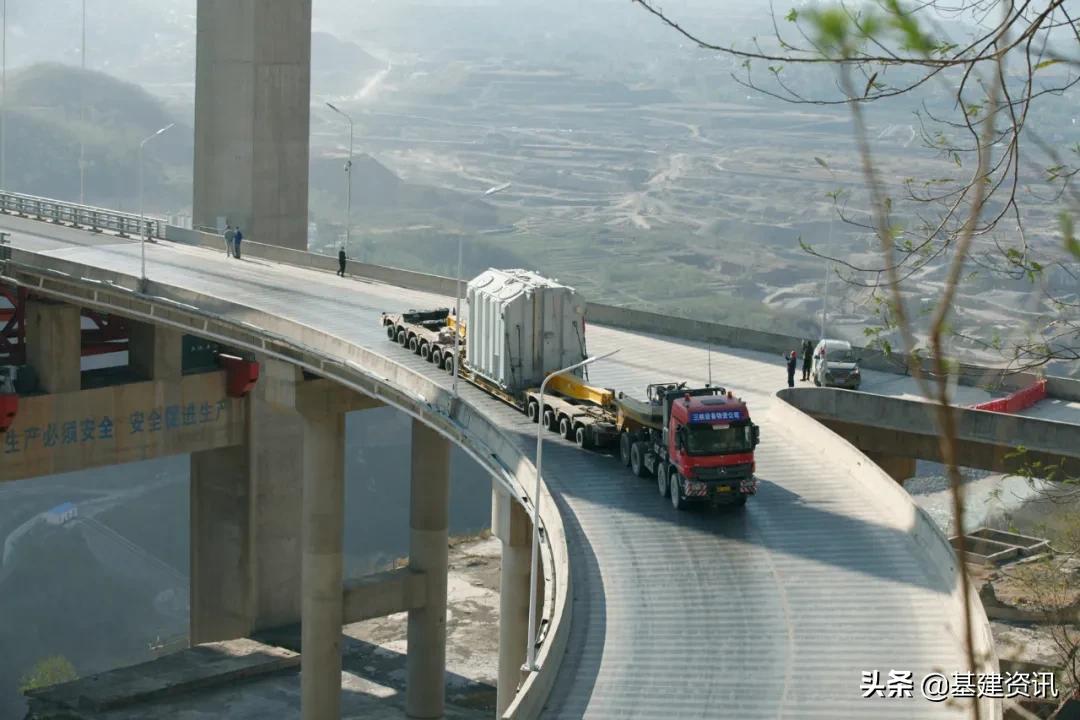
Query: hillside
(45, 126)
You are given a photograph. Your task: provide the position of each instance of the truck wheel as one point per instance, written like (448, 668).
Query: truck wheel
(662, 479)
(425, 350)
(550, 421)
(624, 448)
(414, 344)
(677, 500)
(533, 411)
(637, 460)
(581, 437)
(391, 331)
(740, 501)
(436, 357)
(448, 364)
(402, 338)
(566, 428)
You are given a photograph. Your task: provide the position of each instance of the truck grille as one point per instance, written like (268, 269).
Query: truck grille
(726, 472)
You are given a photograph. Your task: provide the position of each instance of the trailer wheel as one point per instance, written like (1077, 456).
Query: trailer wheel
(448, 364)
(550, 421)
(624, 448)
(662, 479)
(581, 437)
(391, 331)
(436, 357)
(414, 344)
(402, 338)
(533, 411)
(740, 501)
(566, 428)
(425, 350)
(637, 459)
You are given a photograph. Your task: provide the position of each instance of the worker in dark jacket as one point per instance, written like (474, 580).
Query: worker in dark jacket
(792, 359)
(807, 359)
(341, 262)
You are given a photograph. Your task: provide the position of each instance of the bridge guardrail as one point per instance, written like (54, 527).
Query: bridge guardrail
(80, 216)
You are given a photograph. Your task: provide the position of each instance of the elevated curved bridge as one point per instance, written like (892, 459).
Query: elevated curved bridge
(770, 612)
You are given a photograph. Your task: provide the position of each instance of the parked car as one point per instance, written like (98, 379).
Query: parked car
(835, 365)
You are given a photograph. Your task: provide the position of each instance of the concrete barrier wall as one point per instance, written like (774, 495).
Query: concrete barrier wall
(898, 506)
(638, 320)
(359, 368)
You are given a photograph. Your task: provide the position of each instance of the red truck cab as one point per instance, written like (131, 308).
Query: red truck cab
(709, 440)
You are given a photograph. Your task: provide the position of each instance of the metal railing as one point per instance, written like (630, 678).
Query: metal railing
(80, 216)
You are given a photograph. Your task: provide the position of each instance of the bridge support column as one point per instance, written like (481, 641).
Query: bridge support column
(321, 538)
(429, 514)
(512, 525)
(899, 468)
(155, 352)
(54, 344)
(245, 518)
(252, 117)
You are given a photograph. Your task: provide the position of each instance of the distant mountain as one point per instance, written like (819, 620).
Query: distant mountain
(45, 126)
(55, 89)
(376, 186)
(338, 66)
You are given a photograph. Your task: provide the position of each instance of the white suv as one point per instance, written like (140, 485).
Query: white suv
(835, 365)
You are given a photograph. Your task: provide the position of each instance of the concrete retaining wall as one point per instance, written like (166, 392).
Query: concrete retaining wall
(897, 504)
(629, 319)
(356, 367)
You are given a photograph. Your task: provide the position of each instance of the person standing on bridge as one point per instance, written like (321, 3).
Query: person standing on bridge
(341, 260)
(807, 359)
(236, 242)
(229, 235)
(792, 359)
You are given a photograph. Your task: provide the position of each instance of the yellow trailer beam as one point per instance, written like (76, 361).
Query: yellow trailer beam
(572, 387)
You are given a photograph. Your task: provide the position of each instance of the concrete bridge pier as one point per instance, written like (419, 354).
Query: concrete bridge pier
(512, 525)
(245, 511)
(429, 514)
(323, 525)
(54, 344)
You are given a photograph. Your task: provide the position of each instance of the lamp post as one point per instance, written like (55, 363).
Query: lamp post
(142, 219)
(3, 103)
(348, 178)
(530, 657)
(457, 299)
(82, 114)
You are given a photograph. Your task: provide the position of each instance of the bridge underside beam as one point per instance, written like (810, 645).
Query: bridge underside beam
(991, 456)
(65, 432)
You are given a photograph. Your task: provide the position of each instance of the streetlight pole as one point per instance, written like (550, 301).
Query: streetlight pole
(348, 178)
(530, 658)
(82, 115)
(457, 299)
(142, 219)
(3, 104)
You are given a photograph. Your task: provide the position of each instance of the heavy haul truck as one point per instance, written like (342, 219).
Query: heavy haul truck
(697, 443)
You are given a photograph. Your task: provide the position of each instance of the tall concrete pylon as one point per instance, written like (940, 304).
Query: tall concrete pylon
(252, 118)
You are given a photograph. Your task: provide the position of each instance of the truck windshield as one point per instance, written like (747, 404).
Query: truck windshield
(702, 439)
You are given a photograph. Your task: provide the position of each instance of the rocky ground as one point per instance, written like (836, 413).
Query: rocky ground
(377, 649)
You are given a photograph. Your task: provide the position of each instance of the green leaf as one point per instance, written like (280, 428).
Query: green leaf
(792, 15)
(1069, 234)
(1046, 64)
(821, 162)
(870, 84)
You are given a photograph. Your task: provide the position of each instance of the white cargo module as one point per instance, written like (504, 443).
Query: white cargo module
(522, 326)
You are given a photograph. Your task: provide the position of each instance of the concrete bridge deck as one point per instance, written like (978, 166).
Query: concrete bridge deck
(767, 613)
